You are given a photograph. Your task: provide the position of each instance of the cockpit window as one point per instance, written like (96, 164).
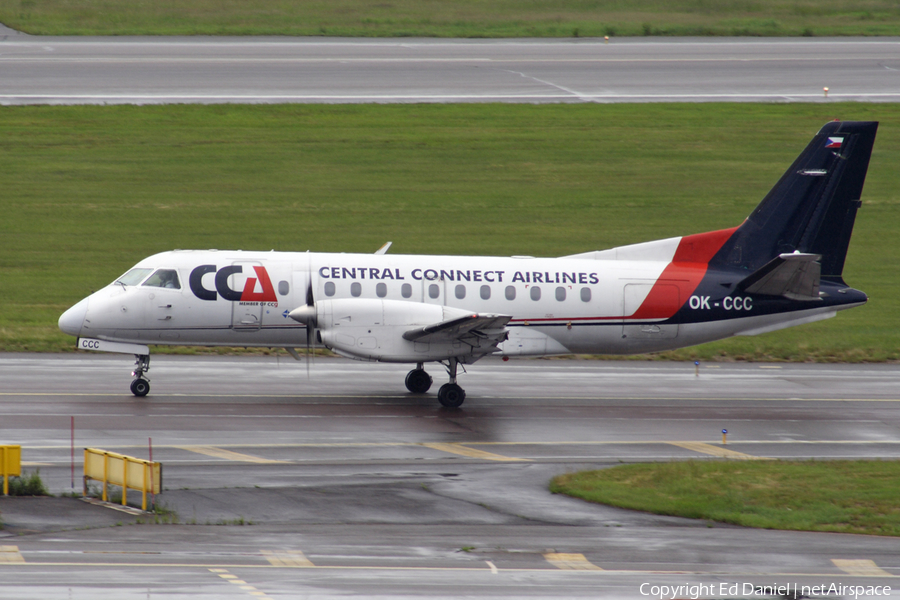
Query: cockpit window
(134, 276)
(164, 278)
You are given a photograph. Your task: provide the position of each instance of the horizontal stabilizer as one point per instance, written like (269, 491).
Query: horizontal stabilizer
(795, 276)
(486, 326)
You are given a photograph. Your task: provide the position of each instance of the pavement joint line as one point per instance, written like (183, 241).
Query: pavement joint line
(570, 561)
(428, 59)
(523, 97)
(718, 451)
(461, 450)
(131, 510)
(473, 443)
(229, 455)
(860, 567)
(479, 569)
(402, 397)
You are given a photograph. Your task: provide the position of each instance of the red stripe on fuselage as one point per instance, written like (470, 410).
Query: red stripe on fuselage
(686, 271)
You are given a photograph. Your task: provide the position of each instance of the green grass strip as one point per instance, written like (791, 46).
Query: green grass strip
(87, 191)
(858, 496)
(455, 18)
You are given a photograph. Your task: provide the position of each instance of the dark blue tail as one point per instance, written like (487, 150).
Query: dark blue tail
(813, 206)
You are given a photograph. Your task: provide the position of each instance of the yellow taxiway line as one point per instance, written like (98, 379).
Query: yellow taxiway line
(570, 562)
(863, 568)
(230, 455)
(456, 448)
(718, 451)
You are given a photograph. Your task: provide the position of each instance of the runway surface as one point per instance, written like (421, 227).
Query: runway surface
(51, 70)
(337, 482)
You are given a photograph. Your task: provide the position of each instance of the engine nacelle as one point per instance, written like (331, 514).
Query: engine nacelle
(368, 329)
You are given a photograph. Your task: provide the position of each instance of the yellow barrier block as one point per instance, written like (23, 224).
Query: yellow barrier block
(123, 471)
(10, 464)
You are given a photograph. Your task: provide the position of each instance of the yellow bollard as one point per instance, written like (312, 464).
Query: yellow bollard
(10, 464)
(724, 433)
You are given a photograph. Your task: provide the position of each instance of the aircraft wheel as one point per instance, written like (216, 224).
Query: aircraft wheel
(140, 387)
(418, 381)
(451, 395)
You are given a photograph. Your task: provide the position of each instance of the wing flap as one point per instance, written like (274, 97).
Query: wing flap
(483, 326)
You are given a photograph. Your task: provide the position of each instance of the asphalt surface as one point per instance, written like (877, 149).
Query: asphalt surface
(85, 70)
(328, 481)
(335, 482)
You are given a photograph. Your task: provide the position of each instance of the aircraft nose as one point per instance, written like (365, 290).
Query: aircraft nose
(72, 320)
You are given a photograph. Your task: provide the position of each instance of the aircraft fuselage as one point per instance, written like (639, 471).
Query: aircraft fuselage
(783, 266)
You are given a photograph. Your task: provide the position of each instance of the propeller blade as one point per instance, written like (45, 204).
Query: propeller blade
(310, 313)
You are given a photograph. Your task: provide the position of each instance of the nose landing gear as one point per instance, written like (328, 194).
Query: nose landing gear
(140, 386)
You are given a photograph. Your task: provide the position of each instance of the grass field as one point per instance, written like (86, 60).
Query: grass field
(89, 191)
(454, 18)
(838, 496)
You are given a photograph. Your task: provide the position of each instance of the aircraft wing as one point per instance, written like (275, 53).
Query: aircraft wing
(489, 327)
(795, 276)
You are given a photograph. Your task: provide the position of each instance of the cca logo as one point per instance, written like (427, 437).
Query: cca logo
(246, 295)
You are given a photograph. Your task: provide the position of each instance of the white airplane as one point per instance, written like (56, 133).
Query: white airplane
(781, 267)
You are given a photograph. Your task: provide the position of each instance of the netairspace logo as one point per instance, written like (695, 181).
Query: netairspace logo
(694, 591)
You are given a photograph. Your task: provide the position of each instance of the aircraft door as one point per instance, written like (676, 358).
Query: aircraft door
(246, 313)
(664, 300)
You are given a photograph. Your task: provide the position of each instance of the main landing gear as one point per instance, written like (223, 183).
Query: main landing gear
(140, 387)
(450, 395)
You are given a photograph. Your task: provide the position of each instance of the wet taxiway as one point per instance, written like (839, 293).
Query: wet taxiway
(333, 481)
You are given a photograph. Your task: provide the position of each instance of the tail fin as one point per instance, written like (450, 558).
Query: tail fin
(812, 208)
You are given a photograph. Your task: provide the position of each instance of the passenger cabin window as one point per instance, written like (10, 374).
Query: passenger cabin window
(381, 289)
(560, 293)
(134, 276)
(485, 292)
(585, 294)
(406, 290)
(434, 291)
(535, 292)
(356, 289)
(164, 278)
(329, 288)
(460, 291)
(510, 292)
(283, 288)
